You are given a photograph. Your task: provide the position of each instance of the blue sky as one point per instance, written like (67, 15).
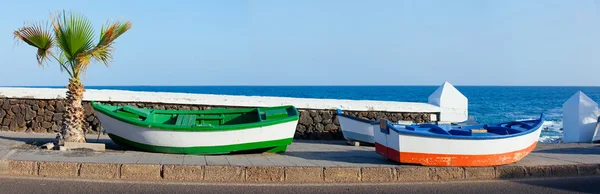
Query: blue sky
(332, 42)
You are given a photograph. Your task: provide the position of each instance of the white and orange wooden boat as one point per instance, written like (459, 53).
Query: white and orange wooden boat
(448, 145)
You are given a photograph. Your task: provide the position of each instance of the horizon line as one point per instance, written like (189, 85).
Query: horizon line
(309, 86)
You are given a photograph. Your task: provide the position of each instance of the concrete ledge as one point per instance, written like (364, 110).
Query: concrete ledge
(264, 174)
(22, 167)
(183, 172)
(272, 174)
(480, 173)
(58, 169)
(413, 174)
(99, 171)
(220, 100)
(3, 166)
(304, 174)
(141, 171)
(376, 174)
(341, 174)
(538, 171)
(447, 173)
(225, 173)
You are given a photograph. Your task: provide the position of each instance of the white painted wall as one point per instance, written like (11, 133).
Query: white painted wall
(580, 115)
(223, 100)
(454, 106)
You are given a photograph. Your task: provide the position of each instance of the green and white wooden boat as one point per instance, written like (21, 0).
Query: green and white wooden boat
(215, 131)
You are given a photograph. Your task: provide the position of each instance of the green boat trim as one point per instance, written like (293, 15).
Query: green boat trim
(200, 120)
(274, 146)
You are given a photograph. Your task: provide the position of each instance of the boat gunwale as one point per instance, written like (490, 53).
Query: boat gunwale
(440, 136)
(168, 127)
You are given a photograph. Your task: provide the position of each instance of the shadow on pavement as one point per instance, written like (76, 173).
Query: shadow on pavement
(351, 156)
(580, 150)
(588, 184)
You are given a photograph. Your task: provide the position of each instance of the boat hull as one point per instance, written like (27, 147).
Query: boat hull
(357, 130)
(272, 138)
(433, 151)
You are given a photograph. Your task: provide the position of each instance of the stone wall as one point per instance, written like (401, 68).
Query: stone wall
(45, 116)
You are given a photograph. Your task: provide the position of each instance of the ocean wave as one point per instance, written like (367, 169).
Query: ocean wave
(551, 131)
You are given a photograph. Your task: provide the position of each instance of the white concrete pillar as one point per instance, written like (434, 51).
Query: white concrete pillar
(453, 104)
(580, 115)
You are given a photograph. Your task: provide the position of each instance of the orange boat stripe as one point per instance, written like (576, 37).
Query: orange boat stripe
(427, 159)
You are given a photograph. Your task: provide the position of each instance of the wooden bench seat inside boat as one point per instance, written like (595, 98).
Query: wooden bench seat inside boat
(186, 120)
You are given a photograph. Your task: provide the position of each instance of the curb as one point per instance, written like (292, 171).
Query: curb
(289, 174)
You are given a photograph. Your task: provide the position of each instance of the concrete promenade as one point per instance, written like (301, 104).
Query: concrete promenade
(305, 161)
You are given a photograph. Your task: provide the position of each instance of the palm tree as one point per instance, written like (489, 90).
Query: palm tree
(70, 42)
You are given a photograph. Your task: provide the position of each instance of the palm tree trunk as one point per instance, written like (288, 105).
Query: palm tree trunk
(72, 130)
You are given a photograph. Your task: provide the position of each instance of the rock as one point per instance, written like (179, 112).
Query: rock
(51, 103)
(47, 117)
(14, 125)
(90, 118)
(317, 119)
(336, 121)
(57, 117)
(23, 109)
(60, 107)
(87, 109)
(40, 111)
(49, 145)
(300, 128)
(46, 125)
(4, 128)
(319, 127)
(13, 101)
(2, 113)
(35, 107)
(327, 116)
(6, 121)
(41, 104)
(15, 109)
(6, 105)
(194, 108)
(37, 127)
(55, 128)
(39, 119)
(95, 122)
(20, 120)
(330, 127)
(371, 115)
(1, 102)
(363, 114)
(29, 114)
(313, 113)
(305, 119)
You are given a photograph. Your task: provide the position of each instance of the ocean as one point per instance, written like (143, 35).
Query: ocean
(487, 103)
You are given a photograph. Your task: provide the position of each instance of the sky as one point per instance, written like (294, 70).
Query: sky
(324, 42)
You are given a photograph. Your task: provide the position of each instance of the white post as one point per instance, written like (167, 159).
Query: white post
(453, 104)
(580, 115)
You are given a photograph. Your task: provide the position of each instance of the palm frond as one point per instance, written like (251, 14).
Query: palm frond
(111, 32)
(39, 36)
(74, 34)
(103, 51)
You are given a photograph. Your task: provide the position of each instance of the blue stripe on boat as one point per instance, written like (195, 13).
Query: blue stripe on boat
(494, 131)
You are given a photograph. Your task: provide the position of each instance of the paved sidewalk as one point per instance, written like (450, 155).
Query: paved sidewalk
(305, 161)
